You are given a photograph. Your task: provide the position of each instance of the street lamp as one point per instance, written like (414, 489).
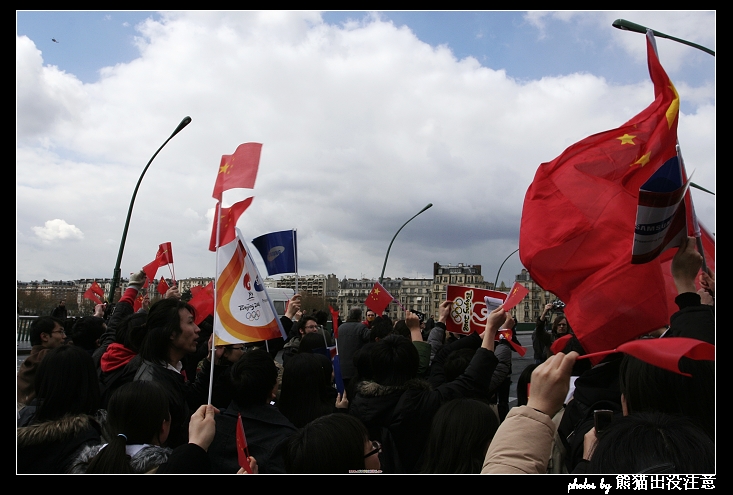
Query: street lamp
(625, 25)
(500, 267)
(116, 273)
(381, 277)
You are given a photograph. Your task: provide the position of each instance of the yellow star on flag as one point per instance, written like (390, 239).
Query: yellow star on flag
(643, 160)
(224, 169)
(627, 139)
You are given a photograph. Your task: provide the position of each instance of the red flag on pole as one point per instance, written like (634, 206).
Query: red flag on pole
(238, 170)
(578, 224)
(97, 289)
(162, 286)
(138, 303)
(165, 254)
(335, 322)
(229, 217)
(203, 303)
(151, 269)
(242, 449)
(92, 296)
(378, 299)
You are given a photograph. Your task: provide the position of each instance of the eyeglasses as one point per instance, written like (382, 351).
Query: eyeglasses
(310, 327)
(59, 331)
(376, 446)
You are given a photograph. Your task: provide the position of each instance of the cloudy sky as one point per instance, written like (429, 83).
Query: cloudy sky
(364, 118)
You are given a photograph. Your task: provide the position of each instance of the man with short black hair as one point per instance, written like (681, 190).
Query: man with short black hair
(46, 333)
(254, 380)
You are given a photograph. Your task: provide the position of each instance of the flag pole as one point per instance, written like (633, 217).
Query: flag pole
(695, 224)
(295, 250)
(217, 219)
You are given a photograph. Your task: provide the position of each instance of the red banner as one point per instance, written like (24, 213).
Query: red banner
(469, 312)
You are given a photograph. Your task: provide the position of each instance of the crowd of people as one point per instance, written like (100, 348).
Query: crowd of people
(133, 392)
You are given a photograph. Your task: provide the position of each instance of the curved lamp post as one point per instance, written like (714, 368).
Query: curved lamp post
(501, 266)
(381, 277)
(116, 273)
(625, 25)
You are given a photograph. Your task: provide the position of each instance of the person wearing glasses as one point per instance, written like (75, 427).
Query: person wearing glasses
(306, 325)
(46, 333)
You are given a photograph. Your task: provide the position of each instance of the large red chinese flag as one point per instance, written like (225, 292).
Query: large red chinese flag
(229, 217)
(578, 223)
(203, 303)
(238, 170)
(378, 299)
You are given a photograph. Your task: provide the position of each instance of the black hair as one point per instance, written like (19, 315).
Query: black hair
(132, 330)
(322, 318)
(306, 391)
(66, 383)
(163, 324)
(381, 327)
(86, 332)
(135, 414)
(254, 376)
(329, 444)
(456, 363)
(649, 388)
(394, 360)
(460, 435)
(303, 321)
(311, 341)
(653, 443)
(43, 324)
(401, 328)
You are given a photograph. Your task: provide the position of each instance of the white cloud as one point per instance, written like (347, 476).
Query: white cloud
(56, 229)
(362, 126)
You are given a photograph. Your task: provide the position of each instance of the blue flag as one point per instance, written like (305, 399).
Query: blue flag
(279, 251)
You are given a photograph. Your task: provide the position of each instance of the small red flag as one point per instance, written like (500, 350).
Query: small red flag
(203, 303)
(195, 289)
(507, 334)
(151, 269)
(229, 217)
(97, 289)
(238, 170)
(92, 296)
(515, 296)
(242, 450)
(165, 254)
(162, 286)
(138, 303)
(335, 320)
(378, 299)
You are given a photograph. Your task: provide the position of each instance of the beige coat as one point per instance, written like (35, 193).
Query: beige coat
(522, 444)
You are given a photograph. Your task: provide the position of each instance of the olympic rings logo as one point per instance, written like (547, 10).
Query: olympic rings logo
(253, 315)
